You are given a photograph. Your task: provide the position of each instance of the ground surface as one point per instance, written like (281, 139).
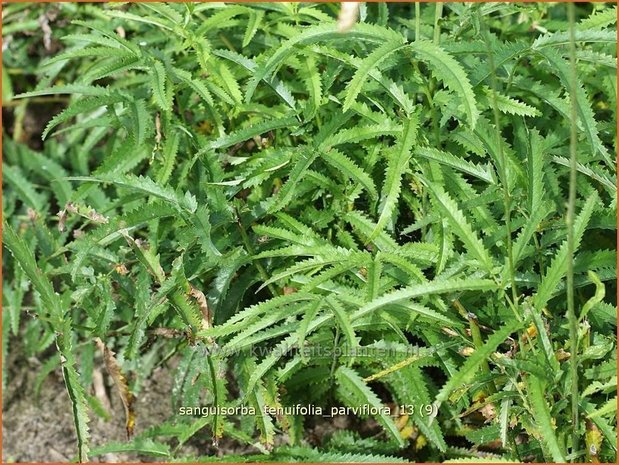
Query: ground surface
(43, 431)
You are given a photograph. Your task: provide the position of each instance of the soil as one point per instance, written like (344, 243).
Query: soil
(42, 430)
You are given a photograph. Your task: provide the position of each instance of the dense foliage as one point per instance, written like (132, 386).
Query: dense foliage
(288, 213)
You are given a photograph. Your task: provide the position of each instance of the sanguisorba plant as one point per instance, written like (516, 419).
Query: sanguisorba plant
(300, 214)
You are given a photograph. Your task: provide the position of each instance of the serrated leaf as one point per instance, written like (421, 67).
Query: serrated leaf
(356, 393)
(558, 267)
(372, 61)
(92, 91)
(585, 114)
(14, 178)
(138, 445)
(543, 420)
(24, 256)
(344, 323)
(350, 169)
(247, 133)
(433, 287)
(461, 226)
(147, 186)
(468, 370)
(170, 149)
(314, 34)
(160, 87)
(447, 159)
(396, 167)
(447, 69)
(253, 24)
(287, 192)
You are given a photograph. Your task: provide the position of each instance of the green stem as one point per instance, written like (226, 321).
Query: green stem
(438, 13)
(417, 19)
(336, 343)
(503, 171)
(571, 314)
(511, 76)
(250, 250)
(478, 340)
(36, 100)
(434, 114)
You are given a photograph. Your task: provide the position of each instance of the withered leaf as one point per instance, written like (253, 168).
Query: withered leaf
(127, 397)
(203, 304)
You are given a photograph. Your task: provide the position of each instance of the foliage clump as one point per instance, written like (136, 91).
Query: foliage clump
(296, 214)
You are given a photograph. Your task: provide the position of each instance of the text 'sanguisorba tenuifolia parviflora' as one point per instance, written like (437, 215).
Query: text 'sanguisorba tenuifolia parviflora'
(347, 232)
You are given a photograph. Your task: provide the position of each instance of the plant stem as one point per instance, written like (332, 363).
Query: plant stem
(571, 314)
(476, 337)
(247, 243)
(503, 171)
(417, 19)
(36, 100)
(336, 342)
(438, 13)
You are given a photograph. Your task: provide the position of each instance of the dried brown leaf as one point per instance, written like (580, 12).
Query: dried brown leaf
(113, 369)
(203, 304)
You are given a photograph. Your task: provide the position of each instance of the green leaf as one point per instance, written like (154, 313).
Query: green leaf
(202, 225)
(355, 393)
(250, 315)
(372, 61)
(54, 308)
(141, 121)
(138, 446)
(315, 34)
(24, 256)
(247, 133)
(461, 226)
(600, 292)
(344, 323)
(581, 35)
(311, 76)
(469, 369)
(445, 158)
(594, 173)
(278, 352)
(141, 19)
(287, 192)
(396, 167)
(170, 149)
(197, 86)
(585, 114)
(543, 421)
(310, 314)
(91, 91)
(124, 158)
(558, 267)
(147, 186)
(253, 24)
(78, 403)
(351, 170)
(448, 70)
(160, 87)
(278, 86)
(512, 106)
(535, 172)
(360, 133)
(14, 178)
(431, 288)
